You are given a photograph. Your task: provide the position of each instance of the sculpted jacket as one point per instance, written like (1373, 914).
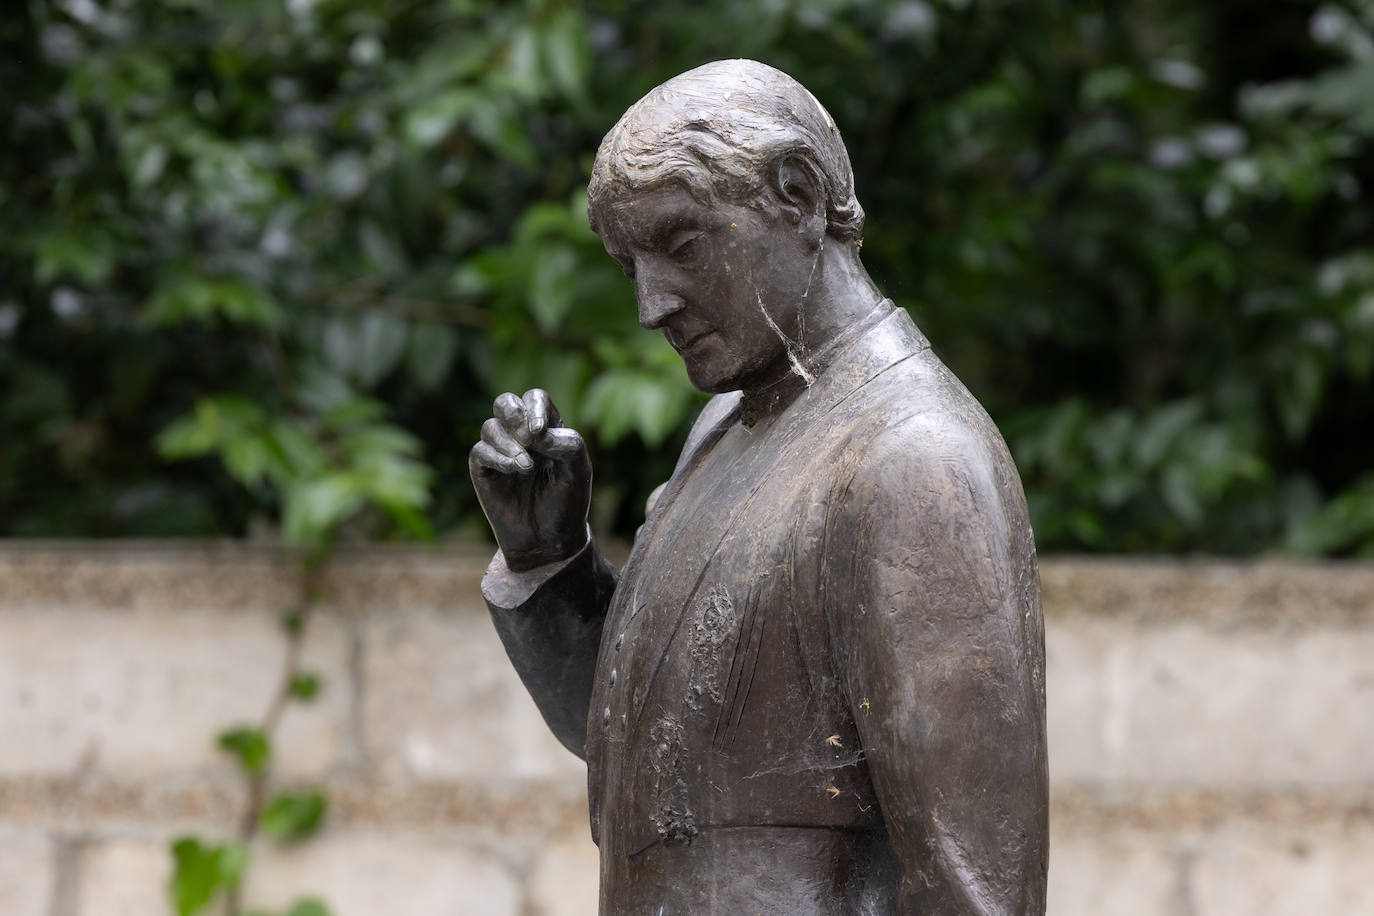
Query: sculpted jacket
(829, 626)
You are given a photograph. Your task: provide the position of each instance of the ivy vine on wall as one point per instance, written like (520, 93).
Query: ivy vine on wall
(326, 457)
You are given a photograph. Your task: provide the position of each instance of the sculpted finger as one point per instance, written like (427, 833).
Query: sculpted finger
(539, 412)
(484, 459)
(494, 434)
(562, 443)
(510, 410)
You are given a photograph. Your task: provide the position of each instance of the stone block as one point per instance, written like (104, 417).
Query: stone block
(441, 702)
(124, 877)
(1278, 871)
(142, 694)
(1075, 680)
(1121, 873)
(26, 872)
(355, 874)
(565, 880)
(370, 874)
(1200, 706)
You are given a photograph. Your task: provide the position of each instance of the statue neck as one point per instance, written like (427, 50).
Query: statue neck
(837, 297)
(840, 294)
(841, 304)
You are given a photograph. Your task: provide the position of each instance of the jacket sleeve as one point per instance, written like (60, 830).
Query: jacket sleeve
(549, 620)
(940, 643)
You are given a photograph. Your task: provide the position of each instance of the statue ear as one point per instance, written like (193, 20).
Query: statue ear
(801, 196)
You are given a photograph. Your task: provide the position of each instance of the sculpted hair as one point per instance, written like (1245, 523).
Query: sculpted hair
(717, 130)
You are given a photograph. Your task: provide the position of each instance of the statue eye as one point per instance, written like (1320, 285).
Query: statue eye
(685, 245)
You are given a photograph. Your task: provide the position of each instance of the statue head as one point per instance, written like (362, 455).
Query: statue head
(720, 131)
(725, 193)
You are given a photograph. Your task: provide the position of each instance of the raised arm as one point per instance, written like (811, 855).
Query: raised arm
(549, 619)
(548, 588)
(940, 640)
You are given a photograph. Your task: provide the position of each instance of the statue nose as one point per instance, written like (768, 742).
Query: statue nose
(655, 305)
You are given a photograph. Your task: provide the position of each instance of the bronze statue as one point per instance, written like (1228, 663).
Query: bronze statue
(817, 686)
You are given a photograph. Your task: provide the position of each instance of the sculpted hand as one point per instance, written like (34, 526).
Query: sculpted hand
(534, 480)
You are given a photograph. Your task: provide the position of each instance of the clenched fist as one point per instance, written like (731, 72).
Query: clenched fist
(533, 479)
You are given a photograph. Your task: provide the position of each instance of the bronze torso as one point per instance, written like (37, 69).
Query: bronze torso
(818, 685)
(727, 721)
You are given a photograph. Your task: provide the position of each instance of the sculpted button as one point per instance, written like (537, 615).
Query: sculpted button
(611, 680)
(606, 716)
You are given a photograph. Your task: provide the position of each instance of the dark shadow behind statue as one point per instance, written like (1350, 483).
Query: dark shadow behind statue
(817, 686)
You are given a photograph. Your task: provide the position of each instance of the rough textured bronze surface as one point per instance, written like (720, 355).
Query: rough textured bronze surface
(817, 684)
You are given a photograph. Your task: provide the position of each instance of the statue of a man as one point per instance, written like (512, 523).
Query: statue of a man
(817, 686)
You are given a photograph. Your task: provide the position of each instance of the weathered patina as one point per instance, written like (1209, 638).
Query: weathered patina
(817, 685)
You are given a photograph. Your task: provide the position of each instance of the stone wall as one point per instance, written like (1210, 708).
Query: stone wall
(1211, 726)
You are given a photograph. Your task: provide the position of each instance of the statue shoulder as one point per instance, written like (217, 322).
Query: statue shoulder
(715, 411)
(941, 453)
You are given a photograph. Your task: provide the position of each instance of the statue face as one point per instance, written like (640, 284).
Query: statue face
(723, 282)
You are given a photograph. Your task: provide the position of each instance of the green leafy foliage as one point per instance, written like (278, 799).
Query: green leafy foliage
(1345, 524)
(189, 297)
(293, 621)
(323, 468)
(291, 817)
(307, 906)
(201, 871)
(249, 746)
(1140, 232)
(305, 685)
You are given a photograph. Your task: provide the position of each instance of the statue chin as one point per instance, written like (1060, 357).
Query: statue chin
(710, 376)
(709, 384)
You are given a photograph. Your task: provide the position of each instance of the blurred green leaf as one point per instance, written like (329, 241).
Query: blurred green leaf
(152, 159)
(381, 342)
(551, 287)
(293, 621)
(308, 907)
(1299, 397)
(1162, 431)
(289, 817)
(186, 297)
(1344, 524)
(249, 746)
(305, 685)
(354, 414)
(563, 42)
(623, 400)
(1179, 489)
(430, 122)
(247, 459)
(215, 422)
(314, 507)
(201, 871)
(297, 451)
(433, 348)
(378, 444)
(88, 256)
(501, 129)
